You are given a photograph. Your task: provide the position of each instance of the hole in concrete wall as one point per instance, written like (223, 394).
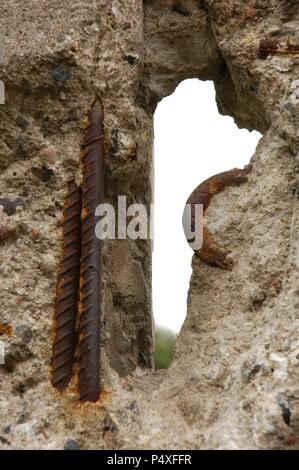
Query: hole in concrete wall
(192, 142)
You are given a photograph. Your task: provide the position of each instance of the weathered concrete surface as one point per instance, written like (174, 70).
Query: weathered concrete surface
(234, 380)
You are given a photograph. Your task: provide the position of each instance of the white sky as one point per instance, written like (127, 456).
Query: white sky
(192, 142)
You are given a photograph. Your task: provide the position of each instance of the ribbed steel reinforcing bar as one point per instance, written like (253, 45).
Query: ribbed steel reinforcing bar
(90, 282)
(67, 293)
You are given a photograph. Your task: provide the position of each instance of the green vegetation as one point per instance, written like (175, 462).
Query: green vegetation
(164, 344)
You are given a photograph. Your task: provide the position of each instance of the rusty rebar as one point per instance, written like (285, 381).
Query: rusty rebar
(273, 46)
(67, 294)
(211, 252)
(90, 283)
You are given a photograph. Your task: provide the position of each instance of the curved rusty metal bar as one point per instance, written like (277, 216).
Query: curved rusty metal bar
(211, 252)
(67, 292)
(90, 283)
